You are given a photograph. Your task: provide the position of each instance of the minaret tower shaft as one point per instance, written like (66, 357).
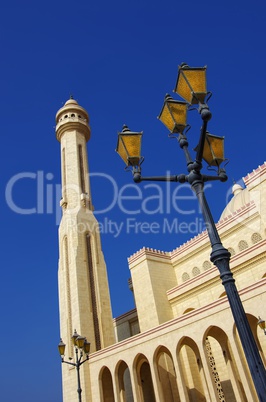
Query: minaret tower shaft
(84, 300)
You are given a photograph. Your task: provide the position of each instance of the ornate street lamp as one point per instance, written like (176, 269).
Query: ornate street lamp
(191, 85)
(129, 147)
(213, 150)
(81, 347)
(174, 114)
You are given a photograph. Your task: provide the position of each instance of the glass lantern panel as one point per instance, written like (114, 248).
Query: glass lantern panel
(213, 152)
(196, 79)
(80, 342)
(166, 118)
(182, 88)
(179, 113)
(86, 347)
(121, 150)
(128, 147)
(132, 143)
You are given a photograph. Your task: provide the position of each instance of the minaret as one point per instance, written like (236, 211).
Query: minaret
(84, 300)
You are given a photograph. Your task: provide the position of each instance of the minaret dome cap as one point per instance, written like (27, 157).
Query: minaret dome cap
(72, 116)
(71, 101)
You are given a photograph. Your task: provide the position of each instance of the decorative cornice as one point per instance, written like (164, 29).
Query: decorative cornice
(229, 219)
(190, 283)
(194, 241)
(147, 251)
(211, 276)
(251, 177)
(201, 237)
(189, 244)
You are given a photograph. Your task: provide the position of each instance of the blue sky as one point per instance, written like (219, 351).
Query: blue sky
(118, 59)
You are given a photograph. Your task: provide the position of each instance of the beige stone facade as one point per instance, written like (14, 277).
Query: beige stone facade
(180, 344)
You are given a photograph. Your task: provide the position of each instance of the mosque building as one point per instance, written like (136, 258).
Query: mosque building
(180, 343)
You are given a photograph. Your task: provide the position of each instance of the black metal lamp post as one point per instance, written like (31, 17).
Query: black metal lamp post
(81, 347)
(191, 85)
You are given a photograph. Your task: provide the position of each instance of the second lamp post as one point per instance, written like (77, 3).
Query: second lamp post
(81, 347)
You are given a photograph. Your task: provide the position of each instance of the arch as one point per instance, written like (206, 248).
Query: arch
(106, 385)
(185, 277)
(185, 340)
(258, 334)
(188, 310)
(231, 251)
(124, 382)
(242, 245)
(166, 375)
(227, 381)
(206, 265)
(255, 238)
(195, 271)
(144, 380)
(192, 370)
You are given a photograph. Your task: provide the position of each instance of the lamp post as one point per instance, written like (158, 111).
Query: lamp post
(191, 86)
(81, 346)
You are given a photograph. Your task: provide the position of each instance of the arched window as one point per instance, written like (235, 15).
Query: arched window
(255, 238)
(192, 370)
(124, 382)
(166, 375)
(242, 245)
(143, 371)
(107, 385)
(185, 277)
(195, 271)
(231, 251)
(206, 265)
